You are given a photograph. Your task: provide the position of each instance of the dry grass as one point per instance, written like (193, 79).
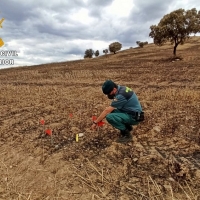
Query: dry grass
(162, 162)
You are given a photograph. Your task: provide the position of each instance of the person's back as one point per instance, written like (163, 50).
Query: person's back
(126, 100)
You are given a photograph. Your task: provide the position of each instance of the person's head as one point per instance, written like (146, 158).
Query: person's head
(109, 88)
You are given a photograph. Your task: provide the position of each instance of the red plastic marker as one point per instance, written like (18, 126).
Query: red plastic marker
(42, 121)
(48, 132)
(94, 118)
(99, 123)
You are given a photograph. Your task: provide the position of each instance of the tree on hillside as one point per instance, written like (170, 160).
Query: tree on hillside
(96, 53)
(141, 44)
(114, 47)
(138, 42)
(88, 53)
(176, 27)
(105, 51)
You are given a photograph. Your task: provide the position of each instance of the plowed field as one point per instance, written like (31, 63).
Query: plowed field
(162, 162)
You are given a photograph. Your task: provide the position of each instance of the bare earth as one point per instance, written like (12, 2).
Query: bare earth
(162, 162)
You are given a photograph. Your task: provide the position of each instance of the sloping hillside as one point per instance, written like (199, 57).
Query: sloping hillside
(162, 162)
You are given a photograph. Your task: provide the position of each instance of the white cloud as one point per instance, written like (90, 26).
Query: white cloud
(120, 8)
(82, 16)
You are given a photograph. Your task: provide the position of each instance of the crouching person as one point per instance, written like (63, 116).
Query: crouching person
(124, 111)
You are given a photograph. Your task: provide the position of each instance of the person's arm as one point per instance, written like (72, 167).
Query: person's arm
(104, 113)
(102, 116)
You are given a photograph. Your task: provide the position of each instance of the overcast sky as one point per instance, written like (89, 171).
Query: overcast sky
(60, 30)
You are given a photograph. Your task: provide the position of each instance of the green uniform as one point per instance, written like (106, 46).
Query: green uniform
(126, 102)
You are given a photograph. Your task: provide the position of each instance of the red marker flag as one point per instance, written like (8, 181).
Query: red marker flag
(48, 132)
(71, 115)
(99, 123)
(94, 118)
(42, 121)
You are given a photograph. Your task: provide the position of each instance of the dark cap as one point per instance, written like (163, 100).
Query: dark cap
(108, 86)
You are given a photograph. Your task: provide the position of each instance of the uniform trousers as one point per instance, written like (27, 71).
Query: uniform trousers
(119, 119)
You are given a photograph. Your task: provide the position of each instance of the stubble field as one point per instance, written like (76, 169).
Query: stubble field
(162, 162)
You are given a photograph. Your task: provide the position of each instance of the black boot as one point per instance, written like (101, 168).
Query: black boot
(129, 127)
(125, 136)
